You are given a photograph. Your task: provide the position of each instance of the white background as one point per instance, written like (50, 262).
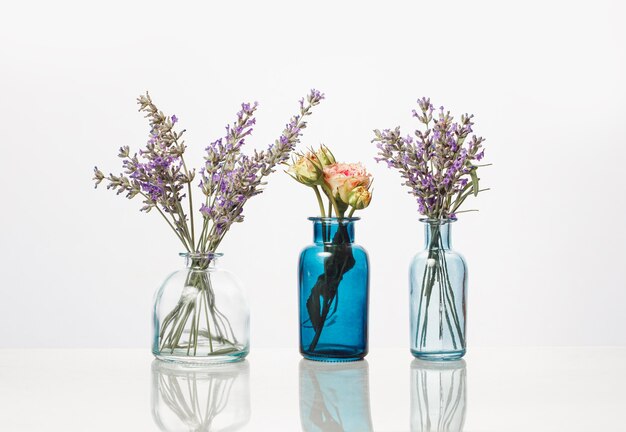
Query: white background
(78, 266)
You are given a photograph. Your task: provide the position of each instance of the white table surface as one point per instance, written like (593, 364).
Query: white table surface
(512, 389)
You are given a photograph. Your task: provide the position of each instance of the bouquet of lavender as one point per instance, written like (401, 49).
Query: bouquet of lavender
(161, 178)
(439, 165)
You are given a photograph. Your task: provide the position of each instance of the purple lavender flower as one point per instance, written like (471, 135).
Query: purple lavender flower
(159, 175)
(438, 164)
(229, 178)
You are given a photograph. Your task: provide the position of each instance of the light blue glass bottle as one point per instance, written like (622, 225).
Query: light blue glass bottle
(438, 281)
(333, 293)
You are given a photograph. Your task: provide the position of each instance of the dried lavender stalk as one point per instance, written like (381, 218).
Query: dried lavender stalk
(438, 164)
(159, 175)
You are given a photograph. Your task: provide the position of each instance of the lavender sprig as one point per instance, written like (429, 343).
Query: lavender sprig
(158, 173)
(438, 163)
(228, 178)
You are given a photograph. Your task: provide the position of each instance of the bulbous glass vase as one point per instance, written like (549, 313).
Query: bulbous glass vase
(201, 314)
(438, 281)
(334, 293)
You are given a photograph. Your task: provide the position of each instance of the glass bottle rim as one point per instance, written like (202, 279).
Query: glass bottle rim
(333, 219)
(201, 255)
(440, 221)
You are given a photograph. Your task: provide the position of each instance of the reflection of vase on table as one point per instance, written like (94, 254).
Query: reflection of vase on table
(200, 399)
(334, 397)
(438, 396)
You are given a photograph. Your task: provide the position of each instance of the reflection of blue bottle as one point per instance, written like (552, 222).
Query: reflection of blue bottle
(335, 397)
(200, 399)
(438, 396)
(333, 280)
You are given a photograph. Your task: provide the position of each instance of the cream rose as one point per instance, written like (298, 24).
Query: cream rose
(360, 198)
(341, 179)
(306, 169)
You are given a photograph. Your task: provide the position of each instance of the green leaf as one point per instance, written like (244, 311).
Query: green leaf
(474, 181)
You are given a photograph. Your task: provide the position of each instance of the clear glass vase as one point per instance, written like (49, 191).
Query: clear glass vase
(201, 314)
(438, 281)
(200, 399)
(334, 293)
(335, 396)
(438, 396)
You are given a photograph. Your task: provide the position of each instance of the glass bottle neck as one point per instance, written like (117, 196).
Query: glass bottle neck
(437, 235)
(200, 261)
(333, 230)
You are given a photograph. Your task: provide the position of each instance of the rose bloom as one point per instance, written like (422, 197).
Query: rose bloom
(305, 170)
(360, 197)
(342, 178)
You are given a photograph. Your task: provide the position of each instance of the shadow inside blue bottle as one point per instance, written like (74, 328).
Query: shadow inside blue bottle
(334, 397)
(200, 398)
(438, 396)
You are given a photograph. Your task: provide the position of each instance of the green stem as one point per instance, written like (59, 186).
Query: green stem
(438, 273)
(193, 235)
(169, 223)
(319, 200)
(452, 301)
(334, 203)
(208, 321)
(191, 330)
(183, 221)
(446, 296)
(427, 284)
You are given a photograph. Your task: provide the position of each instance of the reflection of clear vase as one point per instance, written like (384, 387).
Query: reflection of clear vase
(200, 399)
(201, 314)
(438, 396)
(334, 397)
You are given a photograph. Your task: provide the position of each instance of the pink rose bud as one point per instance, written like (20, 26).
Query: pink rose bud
(343, 178)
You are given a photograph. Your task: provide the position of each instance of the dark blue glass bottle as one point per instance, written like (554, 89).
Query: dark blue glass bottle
(334, 293)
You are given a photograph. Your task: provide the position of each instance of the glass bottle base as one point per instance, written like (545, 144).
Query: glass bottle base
(334, 354)
(323, 358)
(202, 360)
(438, 356)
